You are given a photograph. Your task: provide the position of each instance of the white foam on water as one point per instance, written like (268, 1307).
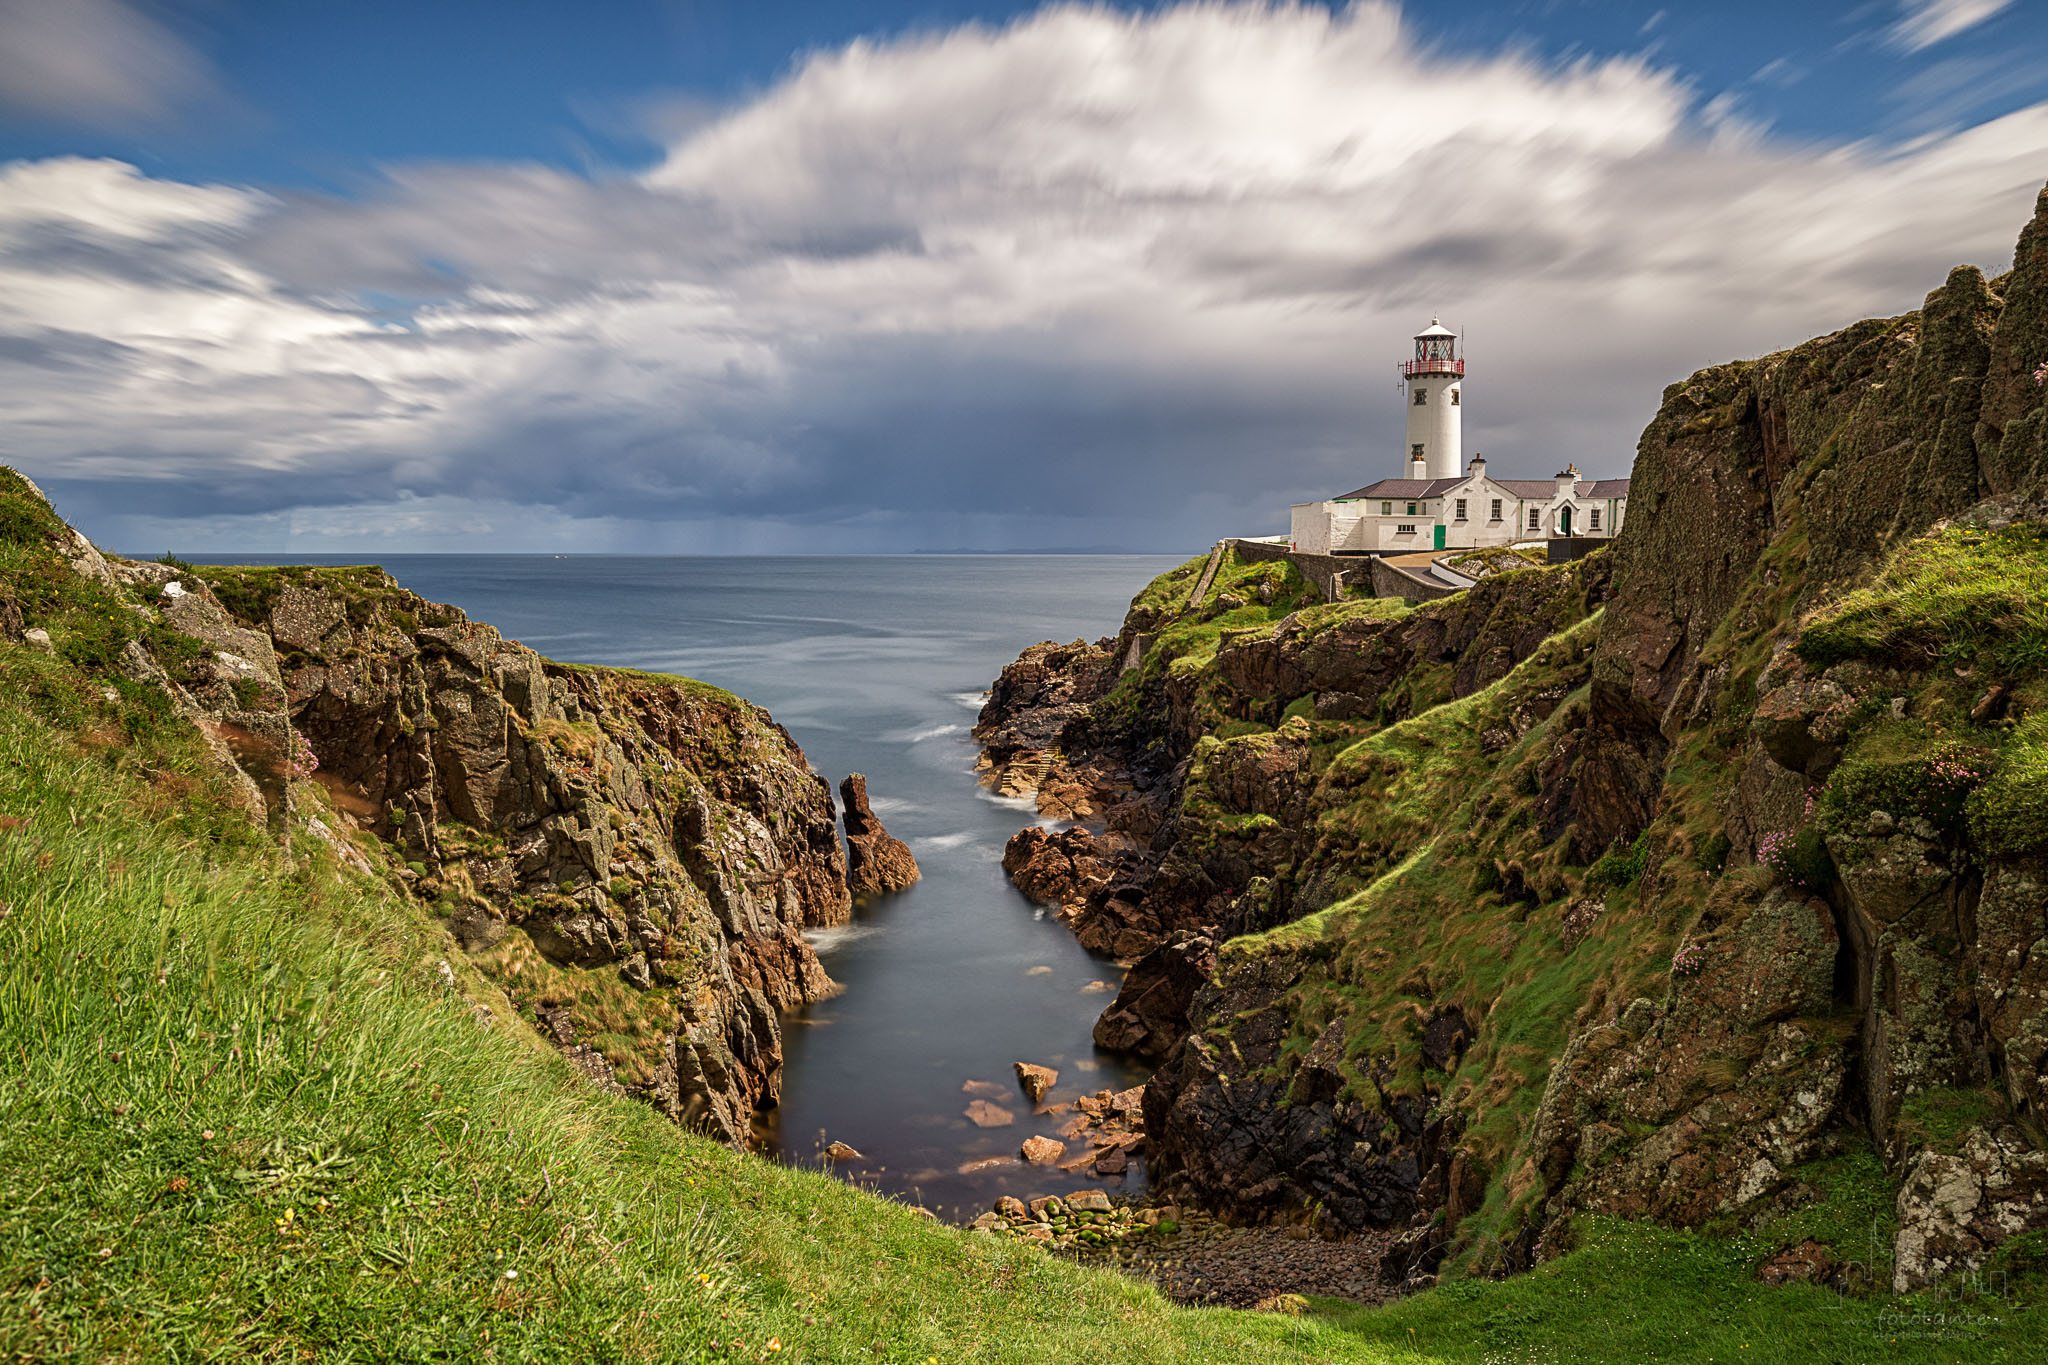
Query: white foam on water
(971, 700)
(965, 836)
(824, 941)
(890, 805)
(929, 732)
(1027, 804)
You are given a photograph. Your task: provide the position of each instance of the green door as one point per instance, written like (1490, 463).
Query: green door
(1439, 535)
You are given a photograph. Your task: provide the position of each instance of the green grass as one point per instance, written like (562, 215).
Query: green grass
(240, 1119)
(1960, 596)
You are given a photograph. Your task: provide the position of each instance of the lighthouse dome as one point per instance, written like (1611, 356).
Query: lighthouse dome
(1435, 329)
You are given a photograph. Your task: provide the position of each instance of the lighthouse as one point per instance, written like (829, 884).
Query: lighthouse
(1434, 381)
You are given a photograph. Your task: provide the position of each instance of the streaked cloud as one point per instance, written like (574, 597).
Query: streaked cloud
(1924, 23)
(104, 63)
(1088, 279)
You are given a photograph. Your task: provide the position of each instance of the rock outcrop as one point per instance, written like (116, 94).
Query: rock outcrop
(877, 862)
(1647, 885)
(632, 858)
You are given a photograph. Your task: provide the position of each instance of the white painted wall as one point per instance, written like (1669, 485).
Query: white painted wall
(1437, 425)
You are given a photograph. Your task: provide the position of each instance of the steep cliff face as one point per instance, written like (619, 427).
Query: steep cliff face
(632, 858)
(1672, 884)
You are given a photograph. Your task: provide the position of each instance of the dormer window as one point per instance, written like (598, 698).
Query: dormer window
(1421, 396)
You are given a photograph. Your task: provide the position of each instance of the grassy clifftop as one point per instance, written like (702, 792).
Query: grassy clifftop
(256, 1104)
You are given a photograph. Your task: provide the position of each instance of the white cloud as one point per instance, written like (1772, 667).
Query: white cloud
(1924, 23)
(100, 62)
(1087, 279)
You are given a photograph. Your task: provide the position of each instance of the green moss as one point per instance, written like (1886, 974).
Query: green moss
(1939, 1118)
(1960, 596)
(2008, 814)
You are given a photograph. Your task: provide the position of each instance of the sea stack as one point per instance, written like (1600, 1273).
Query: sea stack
(877, 862)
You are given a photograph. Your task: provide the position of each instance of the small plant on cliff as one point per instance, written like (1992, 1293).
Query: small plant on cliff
(1799, 857)
(2041, 373)
(303, 762)
(1690, 960)
(1620, 866)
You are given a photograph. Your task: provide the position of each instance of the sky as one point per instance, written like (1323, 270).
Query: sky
(790, 276)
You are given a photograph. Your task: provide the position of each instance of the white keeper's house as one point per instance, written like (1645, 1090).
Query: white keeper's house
(1439, 504)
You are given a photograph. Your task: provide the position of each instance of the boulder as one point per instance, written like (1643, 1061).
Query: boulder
(841, 1151)
(1036, 1080)
(877, 862)
(1041, 1151)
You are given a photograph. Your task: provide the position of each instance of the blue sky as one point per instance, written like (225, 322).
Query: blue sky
(925, 273)
(318, 91)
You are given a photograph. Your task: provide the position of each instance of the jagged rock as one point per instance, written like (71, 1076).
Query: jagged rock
(1955, 1208)
(1149, 1015)
(841, 1151)
(1041, 1151)
(876, 861)
(1035, 1080)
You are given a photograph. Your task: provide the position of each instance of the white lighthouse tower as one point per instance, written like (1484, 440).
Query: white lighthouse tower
(1435, 379)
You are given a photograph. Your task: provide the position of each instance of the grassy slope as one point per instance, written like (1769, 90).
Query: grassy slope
(242, 1116)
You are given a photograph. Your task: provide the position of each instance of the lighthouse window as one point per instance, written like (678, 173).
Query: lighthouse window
(1415, 451)
(1461, 509)
(1454, 398)
(1593, 519)
(1496, 509)
(1421, 397)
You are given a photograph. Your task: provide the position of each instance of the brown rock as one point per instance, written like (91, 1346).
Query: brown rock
(1807, 1263)
(1041, 1151)
(877, 862)
(1036, 1080)
(982, 1114)
(840, 1151)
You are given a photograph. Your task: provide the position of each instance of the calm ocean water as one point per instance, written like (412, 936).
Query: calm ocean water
(875, 665)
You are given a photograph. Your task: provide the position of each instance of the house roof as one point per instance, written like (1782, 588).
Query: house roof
(1401, 488)
(1536, 490)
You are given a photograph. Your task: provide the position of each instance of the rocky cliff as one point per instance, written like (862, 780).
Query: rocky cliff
(633, 858)
(1700, 880)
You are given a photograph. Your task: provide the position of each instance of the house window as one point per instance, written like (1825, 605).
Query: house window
(1405, 529)
(1411, 509)
(1421, 397)
(1454, 397)
(1535, 518)
(1593, 519)
(1461, 509)
(1496, 510)
(1386, 509)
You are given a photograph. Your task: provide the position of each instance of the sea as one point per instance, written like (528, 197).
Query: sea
(875, 664)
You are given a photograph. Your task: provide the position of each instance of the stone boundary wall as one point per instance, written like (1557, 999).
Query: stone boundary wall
(1390, 580)
(1330, 574)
